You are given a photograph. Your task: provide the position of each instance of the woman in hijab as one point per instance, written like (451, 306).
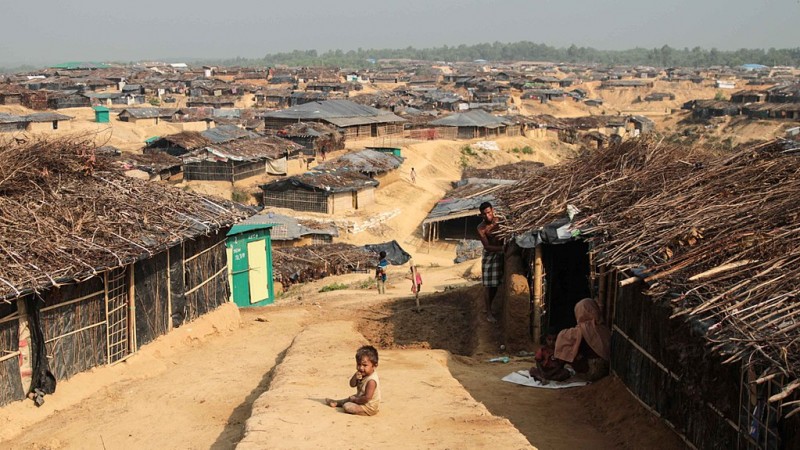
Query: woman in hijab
(586, 346)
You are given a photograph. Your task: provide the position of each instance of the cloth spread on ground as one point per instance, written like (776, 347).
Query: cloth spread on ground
(523, 377)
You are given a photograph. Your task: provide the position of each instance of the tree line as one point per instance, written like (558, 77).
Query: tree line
(665, 56)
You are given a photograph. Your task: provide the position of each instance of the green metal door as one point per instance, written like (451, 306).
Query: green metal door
(240, 278)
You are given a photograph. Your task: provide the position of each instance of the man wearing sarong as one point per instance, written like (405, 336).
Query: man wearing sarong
(492, 261)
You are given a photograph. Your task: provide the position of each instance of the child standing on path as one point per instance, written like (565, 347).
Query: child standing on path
(380, 273)
(367, 400)
(416, 283)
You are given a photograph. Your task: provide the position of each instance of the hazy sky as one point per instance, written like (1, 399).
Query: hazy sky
(51, 31)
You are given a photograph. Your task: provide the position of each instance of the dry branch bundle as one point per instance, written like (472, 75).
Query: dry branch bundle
(717, 235)
(66, 214)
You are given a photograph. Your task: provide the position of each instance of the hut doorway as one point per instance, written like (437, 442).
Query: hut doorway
(566, 282)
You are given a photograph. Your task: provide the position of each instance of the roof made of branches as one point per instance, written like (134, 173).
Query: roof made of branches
(716, 235)
(68, 214)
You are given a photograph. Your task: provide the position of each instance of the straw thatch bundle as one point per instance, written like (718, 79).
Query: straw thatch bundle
(716, 235)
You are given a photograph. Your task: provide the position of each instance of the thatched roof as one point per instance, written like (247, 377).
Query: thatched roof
(339, 180)
(311, 262)
(269, 147)
(514, 171)
(716, 236)
(189, 140)
(365, 161)
(68, 214)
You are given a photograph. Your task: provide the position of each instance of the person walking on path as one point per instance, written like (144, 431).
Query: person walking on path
(492, 260)
(413, 176)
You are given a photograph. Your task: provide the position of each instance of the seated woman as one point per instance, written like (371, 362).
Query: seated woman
(586, 347)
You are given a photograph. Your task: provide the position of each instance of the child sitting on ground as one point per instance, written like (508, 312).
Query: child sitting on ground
(547, 366)
(368, 392)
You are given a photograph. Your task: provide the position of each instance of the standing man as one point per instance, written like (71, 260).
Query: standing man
(413, 176)
(492, 261)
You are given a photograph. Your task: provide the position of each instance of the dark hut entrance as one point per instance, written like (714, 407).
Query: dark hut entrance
(565, 282)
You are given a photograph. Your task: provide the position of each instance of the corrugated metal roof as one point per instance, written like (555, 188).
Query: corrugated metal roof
(332, 109)
(225, 133)
(464, 200)
(474, 118)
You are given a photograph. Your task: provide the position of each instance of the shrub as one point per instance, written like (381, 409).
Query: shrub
(366, 284)
(333, 287)
(527, 150)
(240, 196)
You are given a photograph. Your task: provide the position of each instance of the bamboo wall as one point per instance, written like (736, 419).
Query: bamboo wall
(88, 324)
(206, 274)
(74, 325)
(665, 364)
(151, 297)
(297, 199)
(10, 383)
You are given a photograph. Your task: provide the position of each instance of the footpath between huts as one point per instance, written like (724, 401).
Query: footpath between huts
(423, 406)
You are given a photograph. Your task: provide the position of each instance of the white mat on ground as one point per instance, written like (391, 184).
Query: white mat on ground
(523, 377)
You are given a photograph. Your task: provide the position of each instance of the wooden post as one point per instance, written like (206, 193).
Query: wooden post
(131, 310)
(601, 290)
(537, 293)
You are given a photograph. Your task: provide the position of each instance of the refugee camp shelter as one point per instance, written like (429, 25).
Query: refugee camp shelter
(238, 159)
(318, 138)
(374, 164)
(354, 121)
(146, 116)
(472, 124)
(249, 252)
(692, 258)
(177, 144)
(289, 231)
(456, 216)
(88, 283)
(326, 192)
(47, 121)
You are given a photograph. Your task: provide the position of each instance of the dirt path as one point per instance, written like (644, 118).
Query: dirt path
(197, 387)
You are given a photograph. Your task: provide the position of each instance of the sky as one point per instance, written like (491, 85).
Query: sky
(54, 31)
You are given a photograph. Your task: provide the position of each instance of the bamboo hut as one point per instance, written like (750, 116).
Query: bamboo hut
(236, 160)
(326, 192)
(694, 259)
(96, 264)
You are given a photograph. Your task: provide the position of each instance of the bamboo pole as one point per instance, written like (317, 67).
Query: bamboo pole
(537, 292)
(131, 311)
(169, 294)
